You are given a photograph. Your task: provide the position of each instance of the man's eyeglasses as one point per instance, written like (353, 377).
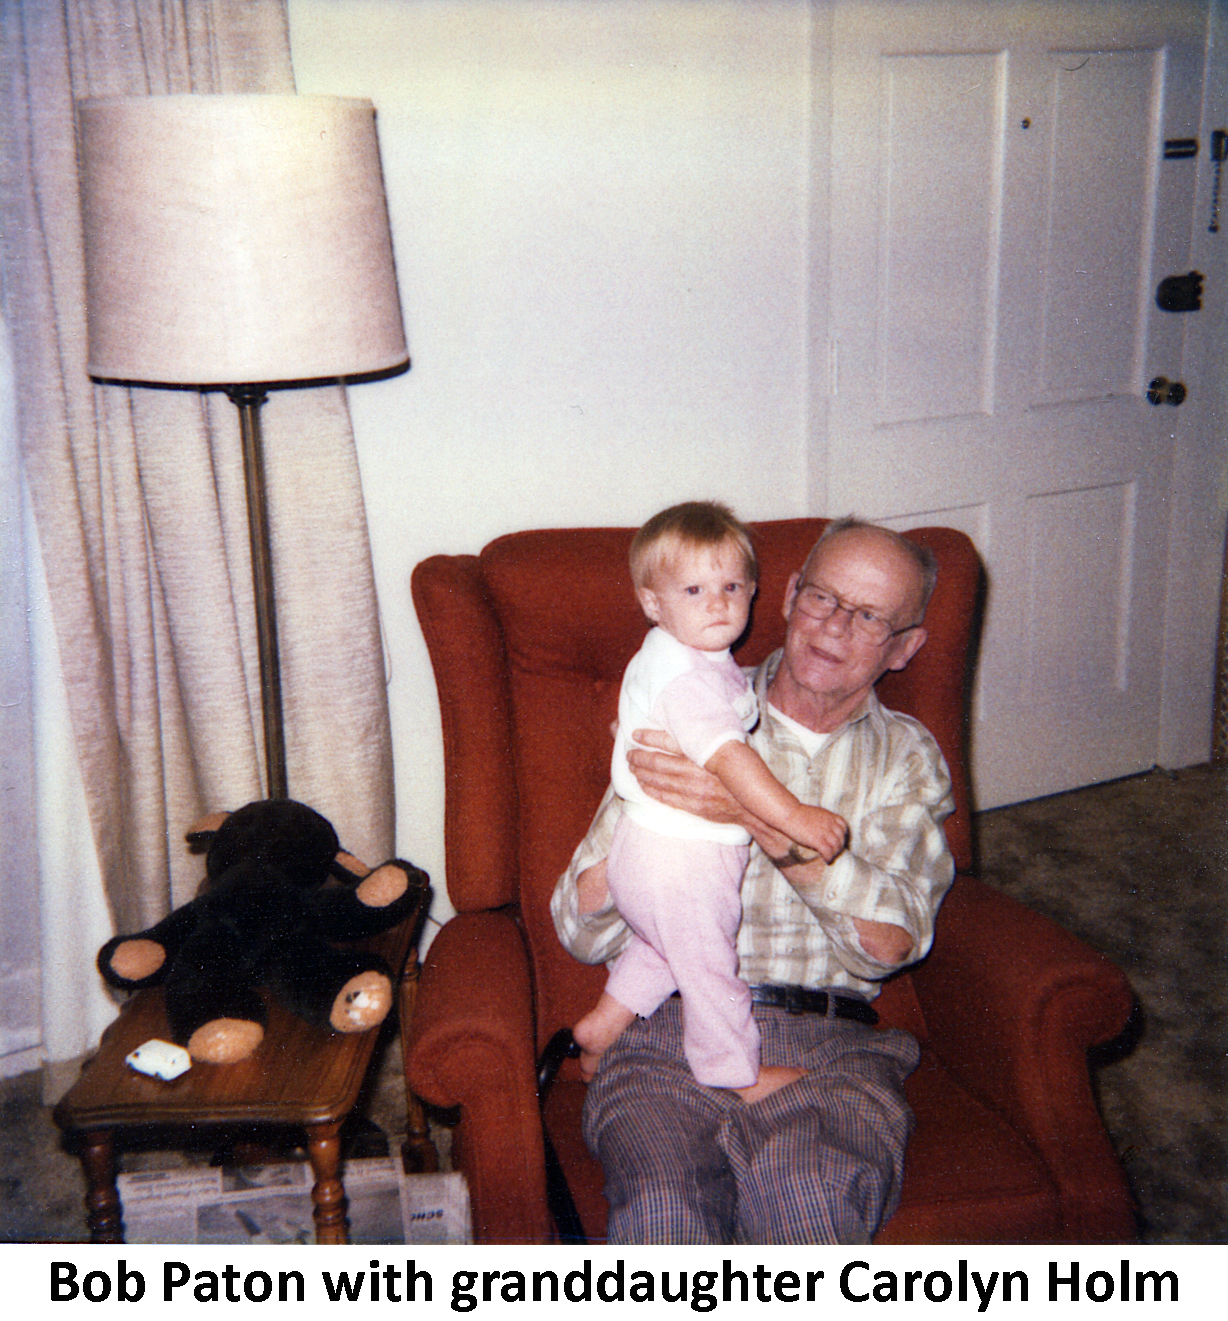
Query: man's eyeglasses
(819, 604)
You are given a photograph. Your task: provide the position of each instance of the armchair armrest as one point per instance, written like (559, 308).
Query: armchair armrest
(1012, 1004)
(471, 1044)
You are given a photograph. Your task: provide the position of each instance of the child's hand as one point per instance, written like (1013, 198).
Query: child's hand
(822, 830)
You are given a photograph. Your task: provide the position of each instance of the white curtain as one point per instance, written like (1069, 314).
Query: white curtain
(72, 916)
(139, 502)
(19, 962)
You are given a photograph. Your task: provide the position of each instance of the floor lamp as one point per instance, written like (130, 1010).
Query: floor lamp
(238, 243)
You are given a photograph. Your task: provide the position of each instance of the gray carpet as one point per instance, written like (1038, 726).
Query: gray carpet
(1137, 868)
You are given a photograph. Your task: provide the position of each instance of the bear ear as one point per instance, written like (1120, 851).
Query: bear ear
(200, 836)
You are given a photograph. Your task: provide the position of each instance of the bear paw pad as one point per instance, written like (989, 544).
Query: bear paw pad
(363, 1003)
(225, 1040)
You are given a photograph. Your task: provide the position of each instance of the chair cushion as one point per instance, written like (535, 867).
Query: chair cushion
(898, 1006)
(968, 1177)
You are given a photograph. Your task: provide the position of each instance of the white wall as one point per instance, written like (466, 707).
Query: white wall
(600, 216)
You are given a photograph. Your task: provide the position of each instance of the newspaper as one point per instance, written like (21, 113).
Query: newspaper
(272, 1204)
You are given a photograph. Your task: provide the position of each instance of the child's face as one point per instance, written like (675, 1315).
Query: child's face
(703, 599)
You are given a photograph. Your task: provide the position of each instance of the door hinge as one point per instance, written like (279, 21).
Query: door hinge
(1180, 149)
(1219, 150)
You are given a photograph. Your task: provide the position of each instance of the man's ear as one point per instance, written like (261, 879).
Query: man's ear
(906, 647)
(790, 588)
(649, 603)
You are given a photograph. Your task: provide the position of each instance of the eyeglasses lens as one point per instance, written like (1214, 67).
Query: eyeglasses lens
(819, 605)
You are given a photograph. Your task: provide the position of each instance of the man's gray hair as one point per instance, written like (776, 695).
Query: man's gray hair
(921, 556)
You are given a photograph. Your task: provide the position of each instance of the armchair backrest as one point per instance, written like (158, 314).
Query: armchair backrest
(529, 641)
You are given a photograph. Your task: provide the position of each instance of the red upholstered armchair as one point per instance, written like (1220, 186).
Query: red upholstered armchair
(529, 640)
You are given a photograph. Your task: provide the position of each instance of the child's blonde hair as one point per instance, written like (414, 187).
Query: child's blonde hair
(693, 525)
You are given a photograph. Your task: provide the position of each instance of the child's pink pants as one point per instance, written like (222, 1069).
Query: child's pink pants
(682, 900)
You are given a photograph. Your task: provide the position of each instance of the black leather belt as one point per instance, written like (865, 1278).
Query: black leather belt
(800, 1000)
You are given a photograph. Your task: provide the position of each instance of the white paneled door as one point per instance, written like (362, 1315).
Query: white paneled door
(1009, 184)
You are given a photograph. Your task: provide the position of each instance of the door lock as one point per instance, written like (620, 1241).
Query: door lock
(1163, 391)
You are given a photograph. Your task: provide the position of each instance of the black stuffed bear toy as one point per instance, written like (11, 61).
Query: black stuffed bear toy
(277, 890)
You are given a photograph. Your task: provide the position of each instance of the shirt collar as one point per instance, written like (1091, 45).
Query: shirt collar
(869, 709)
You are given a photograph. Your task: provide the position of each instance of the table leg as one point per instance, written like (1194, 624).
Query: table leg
(328, 1193)
(418, 1154)
(104, 1212)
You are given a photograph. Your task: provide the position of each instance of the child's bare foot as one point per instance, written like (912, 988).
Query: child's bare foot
(772, 1077)
(599, 1029)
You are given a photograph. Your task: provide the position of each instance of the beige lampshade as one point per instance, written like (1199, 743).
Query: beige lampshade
(236, 240)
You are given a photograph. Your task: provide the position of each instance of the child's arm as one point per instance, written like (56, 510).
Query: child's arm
(743, 772)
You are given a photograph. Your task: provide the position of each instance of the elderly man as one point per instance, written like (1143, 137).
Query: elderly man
(818, 1156)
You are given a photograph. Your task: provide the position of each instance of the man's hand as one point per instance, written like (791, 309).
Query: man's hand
(669, 777)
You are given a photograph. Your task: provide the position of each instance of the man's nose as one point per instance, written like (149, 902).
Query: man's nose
(839, 621)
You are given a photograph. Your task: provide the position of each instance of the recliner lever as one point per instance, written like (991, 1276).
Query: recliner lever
(562, 1205)
(562, 1046)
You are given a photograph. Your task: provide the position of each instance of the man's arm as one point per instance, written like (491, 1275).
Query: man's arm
(589, 927)
(883, 942)
(592, 890)
(877, 901)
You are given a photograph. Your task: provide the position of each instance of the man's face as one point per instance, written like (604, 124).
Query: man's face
(831, 664)
(703, 599)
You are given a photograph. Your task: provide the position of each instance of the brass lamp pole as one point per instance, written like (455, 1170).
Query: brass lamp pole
(248, 400)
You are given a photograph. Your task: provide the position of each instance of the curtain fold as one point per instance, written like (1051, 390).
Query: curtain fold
(139, 500)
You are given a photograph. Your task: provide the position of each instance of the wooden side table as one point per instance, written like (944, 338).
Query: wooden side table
(300, 1076)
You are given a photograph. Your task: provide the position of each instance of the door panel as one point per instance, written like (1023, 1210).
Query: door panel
(938, 235)
(1002, 210)
(1093, 604)
(1102, 117)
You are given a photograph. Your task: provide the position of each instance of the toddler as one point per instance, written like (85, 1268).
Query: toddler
(675, 878)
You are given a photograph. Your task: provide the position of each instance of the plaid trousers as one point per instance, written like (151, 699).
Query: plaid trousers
(819, 1161)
